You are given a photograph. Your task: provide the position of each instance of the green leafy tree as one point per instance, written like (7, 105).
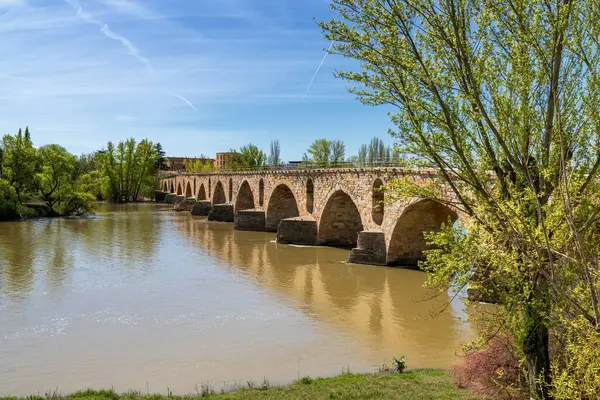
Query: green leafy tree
(8, 201)
(161, 160)
(275, 153)
(363, 153)
(338, 152)
(19, 162)
(129, 169)
(202, 165)
(248, 157)
(502, 98)
(54, 180)
(319, 152)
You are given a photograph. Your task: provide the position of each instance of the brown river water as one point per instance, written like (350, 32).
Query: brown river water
(142, 298)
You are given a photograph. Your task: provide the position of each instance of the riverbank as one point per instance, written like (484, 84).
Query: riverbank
(413, 385)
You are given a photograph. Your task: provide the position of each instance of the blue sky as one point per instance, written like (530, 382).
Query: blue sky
(199, 76)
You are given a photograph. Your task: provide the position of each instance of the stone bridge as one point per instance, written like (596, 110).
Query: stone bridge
(334, 207)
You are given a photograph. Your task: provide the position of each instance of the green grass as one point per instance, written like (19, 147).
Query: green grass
(413, 385)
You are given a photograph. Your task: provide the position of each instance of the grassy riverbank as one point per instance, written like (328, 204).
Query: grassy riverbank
(413, 385)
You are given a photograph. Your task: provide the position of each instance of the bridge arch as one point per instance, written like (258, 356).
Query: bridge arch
(172, 190)
(407, 242)
(244, 199)
(219, 194)
(378, 202)
(310, 196)
(179, 189)
(201, 192)
(340, 221)
(188, 190)
(282, 204)
(261, 192)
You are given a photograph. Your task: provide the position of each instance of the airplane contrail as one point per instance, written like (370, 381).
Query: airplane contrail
(126, 43)
(186, 101)
(317, 71)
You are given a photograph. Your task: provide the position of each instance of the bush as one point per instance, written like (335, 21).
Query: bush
(400, 364)
(8, 202)
(493, 372)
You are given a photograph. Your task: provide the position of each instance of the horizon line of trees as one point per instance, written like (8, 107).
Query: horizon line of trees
(322, 152)
(68, 184)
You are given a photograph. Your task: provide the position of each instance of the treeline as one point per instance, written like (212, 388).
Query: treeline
(50, 181)
(322, 153)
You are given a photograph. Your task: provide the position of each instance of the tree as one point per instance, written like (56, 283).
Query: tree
(249, 157)
(338, 152)
(19, 162)
(161, 161)
(128, 168)
(54, 180)
(362, 155)
(320, 152)
(274, 157)
(501, 97)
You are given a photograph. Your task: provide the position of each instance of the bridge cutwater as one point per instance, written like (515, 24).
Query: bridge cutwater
(334, 207)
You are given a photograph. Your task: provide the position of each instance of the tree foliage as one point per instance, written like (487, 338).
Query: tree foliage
(376, 153)
(501, 97)
(202, 165)
(19, 162)
(325, 152)
(128, 168)
(249, 156)
(275, 153)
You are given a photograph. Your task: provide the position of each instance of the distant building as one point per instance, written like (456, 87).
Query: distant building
(178, 163)
(224, 160)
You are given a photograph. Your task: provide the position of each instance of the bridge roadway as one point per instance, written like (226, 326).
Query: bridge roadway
(334, 207)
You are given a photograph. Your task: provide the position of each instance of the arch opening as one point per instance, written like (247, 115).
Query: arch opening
(219, 195)
(244, 199)
(261, 192)
(179, 190)
(230, 189)
(201, 193)
(282, 204)
(310, 196)
(172, 188)
(188, 191)
(340, 221)
(407, 242)
(378, 202)
(209, 192)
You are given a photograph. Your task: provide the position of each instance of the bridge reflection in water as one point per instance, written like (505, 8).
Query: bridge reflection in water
(387, 309)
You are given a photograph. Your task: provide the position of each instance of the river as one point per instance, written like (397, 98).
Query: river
(142, 298)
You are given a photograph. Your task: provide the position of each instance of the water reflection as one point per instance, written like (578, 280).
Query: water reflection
(142, 294)
(387, 308)
(50, 246)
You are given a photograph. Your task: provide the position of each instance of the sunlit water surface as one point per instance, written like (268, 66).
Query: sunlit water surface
(140, 297)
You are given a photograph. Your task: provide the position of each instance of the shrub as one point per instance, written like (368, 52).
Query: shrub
(493, 372)
(400, 364)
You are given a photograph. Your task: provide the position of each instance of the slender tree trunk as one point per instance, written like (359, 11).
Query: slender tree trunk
(536, 343)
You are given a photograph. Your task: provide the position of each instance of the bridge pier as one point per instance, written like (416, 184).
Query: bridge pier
(297, 230)
(221, 213)
(185, 205)
(249, 220)
(370, 249)
(169, 198)
(201, 208)
(159, 196)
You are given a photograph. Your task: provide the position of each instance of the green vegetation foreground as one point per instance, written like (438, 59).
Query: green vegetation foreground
(415, 385)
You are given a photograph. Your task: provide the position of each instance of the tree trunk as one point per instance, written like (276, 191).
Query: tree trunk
(536, 345)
